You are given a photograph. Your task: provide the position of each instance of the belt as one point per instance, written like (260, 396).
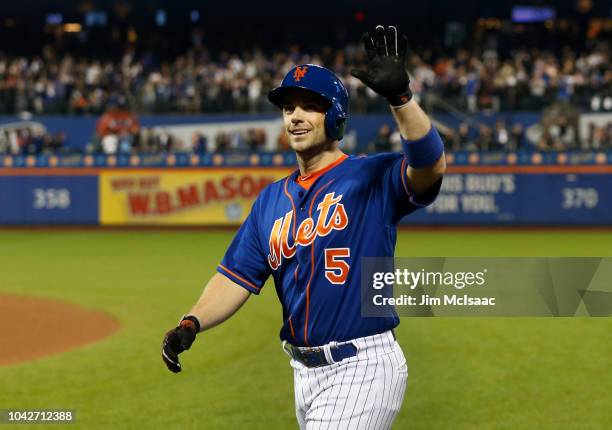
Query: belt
(316, 357)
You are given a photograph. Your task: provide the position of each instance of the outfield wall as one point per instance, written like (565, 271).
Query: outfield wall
(471, 195)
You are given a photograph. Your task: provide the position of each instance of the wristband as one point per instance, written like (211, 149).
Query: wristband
(424, 151)
(400, 100)
(191, 322)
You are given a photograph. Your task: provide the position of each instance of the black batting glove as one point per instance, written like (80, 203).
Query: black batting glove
(178, 340)
(386, 73)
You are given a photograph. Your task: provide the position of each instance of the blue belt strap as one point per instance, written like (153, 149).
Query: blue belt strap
(343, 351)
(315, 357)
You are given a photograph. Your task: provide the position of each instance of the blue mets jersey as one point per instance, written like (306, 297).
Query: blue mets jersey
(311, 239)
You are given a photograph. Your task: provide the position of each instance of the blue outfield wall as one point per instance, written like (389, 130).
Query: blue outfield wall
(526, 187)
(49, 200)
(478, 195)
(526, 198)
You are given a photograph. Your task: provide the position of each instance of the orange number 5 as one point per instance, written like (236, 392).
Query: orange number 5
(336, 269)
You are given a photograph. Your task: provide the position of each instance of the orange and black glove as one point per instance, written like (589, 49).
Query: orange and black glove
(178, 340)
(386, 70)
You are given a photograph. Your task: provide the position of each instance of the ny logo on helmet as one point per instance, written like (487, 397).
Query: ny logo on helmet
(299, 73)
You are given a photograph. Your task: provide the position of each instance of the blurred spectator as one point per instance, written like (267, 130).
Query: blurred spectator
(256, 139)
(52, 144)
(563, 134)
(282, 143)
(599, 137)
(222, 142)
(396, 140)
(501, 141)
(484, 141)
(163, 142)
(517, 136)
(117, 128)
(382, 141)
(198, 143)
(465, 141)
(30, 139)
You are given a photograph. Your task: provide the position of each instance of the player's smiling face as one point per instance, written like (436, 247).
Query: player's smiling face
(304, 120)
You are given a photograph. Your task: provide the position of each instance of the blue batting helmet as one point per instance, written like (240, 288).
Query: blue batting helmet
(323, 82)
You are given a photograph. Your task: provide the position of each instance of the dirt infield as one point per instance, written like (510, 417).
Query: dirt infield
(34, 327)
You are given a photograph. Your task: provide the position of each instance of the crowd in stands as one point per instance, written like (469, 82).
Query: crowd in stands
(529, 80)
(551, 134)
(560, 135)
(30, 140)
(477, 80)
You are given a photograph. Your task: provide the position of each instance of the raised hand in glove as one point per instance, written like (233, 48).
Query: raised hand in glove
(386, 73)
(178, 340)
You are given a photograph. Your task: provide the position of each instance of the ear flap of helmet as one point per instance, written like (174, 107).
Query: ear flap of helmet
(335, 121)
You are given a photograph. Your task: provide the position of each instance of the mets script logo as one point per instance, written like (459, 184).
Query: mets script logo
(299, 73)
(332, 216)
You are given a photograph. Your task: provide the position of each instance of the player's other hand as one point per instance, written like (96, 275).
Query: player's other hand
(386, 56)
(178, 340)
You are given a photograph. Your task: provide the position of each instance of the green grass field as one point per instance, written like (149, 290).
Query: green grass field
(464, 373)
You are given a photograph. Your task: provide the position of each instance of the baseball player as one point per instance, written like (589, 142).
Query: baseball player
(309, 232)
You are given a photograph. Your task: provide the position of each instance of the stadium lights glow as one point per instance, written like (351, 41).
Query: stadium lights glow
(160, 17)
(72, 27)
(132, 35)
(54, 19)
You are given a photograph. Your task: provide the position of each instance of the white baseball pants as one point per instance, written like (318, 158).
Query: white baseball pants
(361, 392)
